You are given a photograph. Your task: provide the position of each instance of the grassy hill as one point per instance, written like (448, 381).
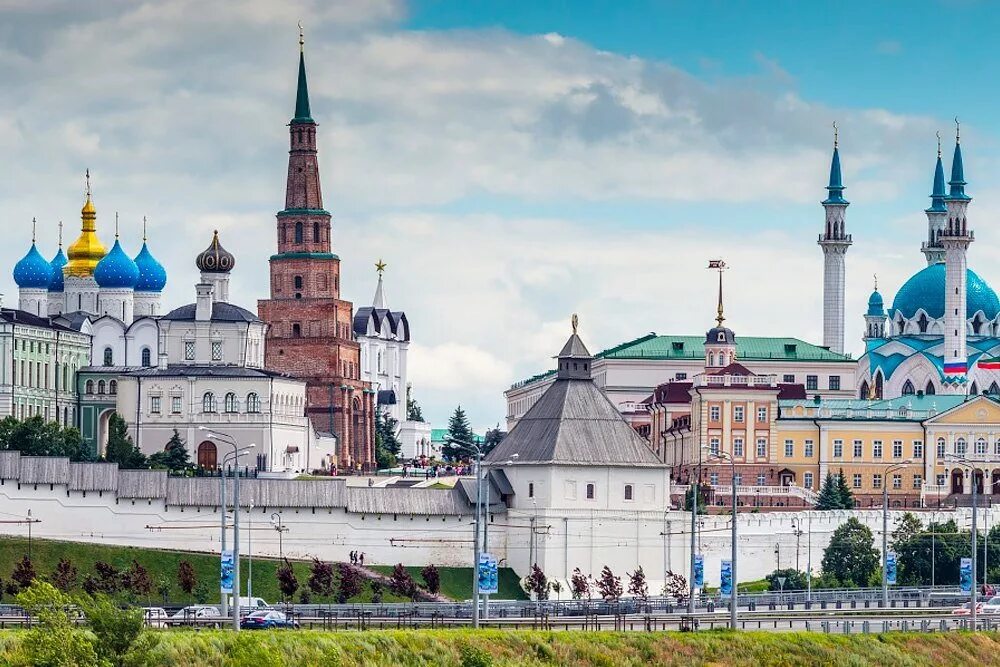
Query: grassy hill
(456, 582)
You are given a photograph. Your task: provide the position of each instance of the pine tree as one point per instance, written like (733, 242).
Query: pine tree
(458, 429)
(846, 495)
(387, 445)
(829, 495)
(174, 456)
(493, 437)
(120, 448)
(413, 412)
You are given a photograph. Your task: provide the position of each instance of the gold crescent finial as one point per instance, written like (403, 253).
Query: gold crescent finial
(575, 323)
(835, 134)
(380, 266)
(302, 38)
(958, 131)
(938, 133)
(88, 182)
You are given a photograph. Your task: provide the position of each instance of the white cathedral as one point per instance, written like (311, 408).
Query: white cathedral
(942, 333)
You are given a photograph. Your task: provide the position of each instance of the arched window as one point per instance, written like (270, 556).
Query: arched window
(298, 232)
(109, 356)
(316, 232)
(973, 390)
(864, 391)
(994, 389)
(146, 357)
(922, 323)
(90, 387)
(930, 390)
(590, 492)
(298, 282)
(253, 402)
(113, 387)
(208, 402)
(230, 402)
(981, 445)
(100, 387)
(960, 446)
(878, 386)
(908, 389)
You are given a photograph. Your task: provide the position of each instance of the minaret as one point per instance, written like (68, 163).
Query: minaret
(937, 214)
(955, 239)
(835, 241)
(875, 317)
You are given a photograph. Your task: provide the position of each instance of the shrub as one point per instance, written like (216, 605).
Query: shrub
(120, 633)
(321, 580)
(609, 586)
(55, 641)
(637, 585)
(23, 575)
(287, 581)
(432, 579)
(579, 585)
(350, 584)
(474, 656)
(401, 583)
(537, 583)
(376, 591)
(64, 576)
(186, 578)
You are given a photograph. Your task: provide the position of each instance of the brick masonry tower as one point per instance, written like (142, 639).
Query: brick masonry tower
(310, 327)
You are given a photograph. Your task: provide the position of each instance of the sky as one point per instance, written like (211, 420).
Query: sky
(511, 162)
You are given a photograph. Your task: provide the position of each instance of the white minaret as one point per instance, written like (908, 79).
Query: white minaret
(955, 240)
(835, 241)
(875, 316)
(937, 215)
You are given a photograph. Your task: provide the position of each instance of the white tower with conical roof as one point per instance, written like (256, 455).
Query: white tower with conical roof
(955, 239)
(834, 241)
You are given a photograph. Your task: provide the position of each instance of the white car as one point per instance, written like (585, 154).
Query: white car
(155, 617)
(194, 614)
(991, 606)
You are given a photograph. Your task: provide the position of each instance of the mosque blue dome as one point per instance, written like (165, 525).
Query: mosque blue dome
(875, 304)
(58, 262)
(152, 275)
(925, 289)
(33, 271)
(116, 270)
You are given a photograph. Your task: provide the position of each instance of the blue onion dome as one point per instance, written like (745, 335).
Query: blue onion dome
(58, 262)
(875, 304)
(925, 289)
(116, 270)
(215, 258)
(33, 271)
(152, 275)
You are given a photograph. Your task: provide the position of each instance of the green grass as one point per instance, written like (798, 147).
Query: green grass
(462, 648)
(456, 582)
(160, 564)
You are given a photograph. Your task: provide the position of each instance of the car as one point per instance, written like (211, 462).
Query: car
(991, 606)
(966, 609)
(260, 620)
(195, 615)
(155, 617)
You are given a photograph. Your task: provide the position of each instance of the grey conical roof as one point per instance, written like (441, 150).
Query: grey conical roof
(574, 349)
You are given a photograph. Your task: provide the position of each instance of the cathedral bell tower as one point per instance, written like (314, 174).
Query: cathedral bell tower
(309, 326)
(834, 241)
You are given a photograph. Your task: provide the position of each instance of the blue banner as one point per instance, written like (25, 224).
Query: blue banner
(965, 575)
(488, 582)
(699, 571)
(890, 567)
(226, 572)
(726, 587)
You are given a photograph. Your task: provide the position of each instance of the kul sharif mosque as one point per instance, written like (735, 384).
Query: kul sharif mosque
(941, 335)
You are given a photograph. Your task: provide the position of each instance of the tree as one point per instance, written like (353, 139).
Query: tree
(851, 556)
(829, 494)
(401, 583)
(413, 412)
(609, 586)
(579, 585)
(556, 587)
(55, 640)
(120, 448)
(387, 445)
(675, 586)
(846, 495)
(350, 584)
(138, 580)
(432, 579)
(637, 585)
(202, 592)
(163, 588)
(174, 456)
(24, 574)
(36, 437)
(536, 583)
(186, 578)
(121, 633)
(64, 575)
(909, 527)
(376, 587)
(794, 580)
(109, 578)
(493, 437)
(287, 581)
(701, 500)
(321, 581)
(458, 429)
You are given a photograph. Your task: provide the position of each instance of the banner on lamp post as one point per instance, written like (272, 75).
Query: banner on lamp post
(890, 568)
(965, 575)
(726, 585)
(488, 582)
(226, 572)
(699, 571)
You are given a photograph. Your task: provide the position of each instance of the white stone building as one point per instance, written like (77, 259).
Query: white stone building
(384, 337)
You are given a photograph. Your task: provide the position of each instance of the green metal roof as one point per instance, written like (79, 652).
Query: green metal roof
(441, 434)
(916, 406)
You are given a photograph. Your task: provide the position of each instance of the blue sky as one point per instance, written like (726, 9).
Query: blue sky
(512, 162)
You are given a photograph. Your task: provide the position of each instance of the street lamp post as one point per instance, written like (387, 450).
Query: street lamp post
(469, 446)
(809, 558)
(971, 466)
(222, 505)
(281, 528)
(734, 597)
(797, 528)
(30, 521)
(250, 553)
(885, 527)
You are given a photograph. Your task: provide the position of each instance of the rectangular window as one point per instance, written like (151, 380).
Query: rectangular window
(897, 481)
(918, 449)
(762, 414)
(714, 413)
(216, 350)
(189, 350)
(154, 404)
(761, 448)
(737, 413)
(807, 480)
(789, 448)
(737, 446)
(761, 479)
(590, 491)
(680, 376)
(812, 382)
(876, 481)
(960, 446)
(838, 449)
(713, 445)
(897, 449)
(628, 492)
(788, 378)
(940, 479)
(857, 480)
(940, 448)
(834, 383)
(738, 478)
(877, 449)
(175, 404)
(531, 489)
(46, 376)
(713, 479)
(980, 446)
(918, 481)
(809, 449)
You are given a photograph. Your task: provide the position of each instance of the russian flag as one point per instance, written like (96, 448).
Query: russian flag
(955, 368)
(992, 364)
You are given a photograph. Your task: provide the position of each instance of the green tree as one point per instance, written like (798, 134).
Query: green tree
(413, 412)
(121, 632)
(829, 494)
(458, 429)
(851, 556)
(120, 448)
(55, 641)
(174, 456)
(908, 528)
(701, 500)
(387, 443)
(795, 580)
(846, 495)
(493, 437)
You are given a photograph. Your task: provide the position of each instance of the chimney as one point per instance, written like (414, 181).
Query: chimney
(203, 305)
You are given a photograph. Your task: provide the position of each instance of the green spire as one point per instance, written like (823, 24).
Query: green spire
(302, 112)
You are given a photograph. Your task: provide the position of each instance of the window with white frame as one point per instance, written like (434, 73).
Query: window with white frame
(918, 481)
(230, 402)
(980, 445)
(941, 477)
(789, 448)
(713, 446)
(761, 479)
(996, 447)
(737, 446)
(208, 403)
(941, 446)
(714, 413)
(807, 480)
(253, 402)
(809, 448)
(154, 404)
(762, 414)
(189, 350)
(858, 449)
(713, 479)
(877, 449)
(897, 449)
(788, 378)
(897, 481)
(738, 478)
(856, 482)
(216, 350)
(876, 481)
(175, 405)
(960, 446)
(737, 413)
(918, 449)
(838, 449)
(761, 447)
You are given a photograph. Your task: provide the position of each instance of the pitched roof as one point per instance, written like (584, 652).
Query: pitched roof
(221, 312)
(574, 423)
(574, 349)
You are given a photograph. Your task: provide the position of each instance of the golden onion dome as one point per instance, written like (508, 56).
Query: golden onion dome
(87, 250)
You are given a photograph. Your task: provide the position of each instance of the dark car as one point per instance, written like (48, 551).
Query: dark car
(261, 620)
